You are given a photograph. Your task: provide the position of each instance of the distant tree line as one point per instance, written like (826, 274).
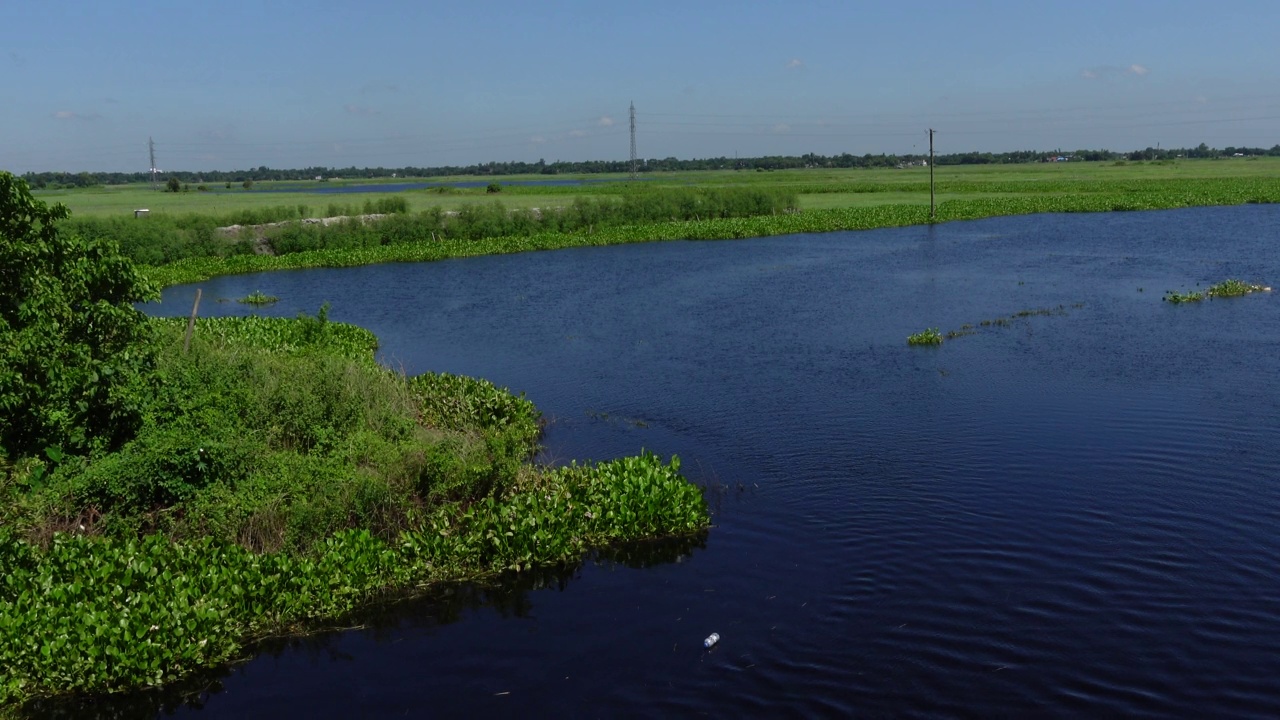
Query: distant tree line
(246, 178)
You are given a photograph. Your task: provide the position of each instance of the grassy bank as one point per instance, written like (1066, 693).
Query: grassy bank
(716, 204)
(166, 500)
(282, 478)
(1135, 194)
(281, 230)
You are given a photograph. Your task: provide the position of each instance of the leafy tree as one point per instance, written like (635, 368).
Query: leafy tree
(73, 349)
(247, 185)
(174, 185)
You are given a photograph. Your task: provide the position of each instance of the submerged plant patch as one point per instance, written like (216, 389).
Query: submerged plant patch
(933, 337)
(1225, 289)
(930, 336)
(257, 297)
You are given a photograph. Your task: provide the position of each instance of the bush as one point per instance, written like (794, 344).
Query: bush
(74, 352)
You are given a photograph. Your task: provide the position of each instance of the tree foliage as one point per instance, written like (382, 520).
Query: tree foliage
(72, 346)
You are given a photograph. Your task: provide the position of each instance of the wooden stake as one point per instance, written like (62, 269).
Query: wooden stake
(191, 324)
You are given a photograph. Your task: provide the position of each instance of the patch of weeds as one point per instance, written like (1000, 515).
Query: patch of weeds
(969, 329)
(931, 336)
(257, 297)
(1233, 288)
(1225, 289)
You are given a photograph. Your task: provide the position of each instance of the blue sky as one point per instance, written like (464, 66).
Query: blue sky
(232, 84)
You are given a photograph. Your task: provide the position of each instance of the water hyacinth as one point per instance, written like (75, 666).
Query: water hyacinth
(1225, 289)
(930, 336)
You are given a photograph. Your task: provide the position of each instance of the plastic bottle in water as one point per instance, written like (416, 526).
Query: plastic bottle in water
(712, 639)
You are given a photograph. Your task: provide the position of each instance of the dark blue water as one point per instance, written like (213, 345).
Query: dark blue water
(1075, 514)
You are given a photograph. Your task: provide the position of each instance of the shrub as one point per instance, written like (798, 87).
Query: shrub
(73, 349)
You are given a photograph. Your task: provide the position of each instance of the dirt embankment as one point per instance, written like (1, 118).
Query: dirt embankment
(258, 233)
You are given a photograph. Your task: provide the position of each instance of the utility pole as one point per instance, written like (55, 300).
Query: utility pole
(933, 213)
(633, 141)
(151, 145)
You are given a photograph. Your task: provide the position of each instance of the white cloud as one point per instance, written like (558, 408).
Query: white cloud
(781, 128)
(537, 139)
(1106, 71)
(360, 110)
(605, 121)
(795, 64)
(577, 133)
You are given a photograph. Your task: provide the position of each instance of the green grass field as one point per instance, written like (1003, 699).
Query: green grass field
(819, 188)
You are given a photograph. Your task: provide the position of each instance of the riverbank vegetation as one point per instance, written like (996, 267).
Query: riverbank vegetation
(1216, 192)
(162, 237)
(183, 231)
(164, 506)
(281, 230)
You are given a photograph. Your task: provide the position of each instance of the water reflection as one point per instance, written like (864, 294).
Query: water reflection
(510, 595)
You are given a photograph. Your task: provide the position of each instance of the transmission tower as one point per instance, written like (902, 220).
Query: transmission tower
(633, 141)
(933, 212)
(151, 145)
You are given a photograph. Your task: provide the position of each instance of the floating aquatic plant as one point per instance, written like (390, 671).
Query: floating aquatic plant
(1226, 288)
(930, 336)
(257, 297)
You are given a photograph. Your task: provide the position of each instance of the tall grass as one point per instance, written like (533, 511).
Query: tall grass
(163, 238)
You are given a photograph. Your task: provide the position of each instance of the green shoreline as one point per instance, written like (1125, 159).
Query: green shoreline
(108, 609)
(214, 597)
(168, 498)
(808, 221)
